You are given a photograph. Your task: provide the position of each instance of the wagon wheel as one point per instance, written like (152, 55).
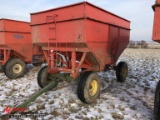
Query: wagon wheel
(121, 71)
(58, 61)
(1, 68)
(89, 87)
(15, 68)
(37, 64)
(157, 102)
(44, 78)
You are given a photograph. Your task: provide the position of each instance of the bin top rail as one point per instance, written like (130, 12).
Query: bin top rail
(83, 10)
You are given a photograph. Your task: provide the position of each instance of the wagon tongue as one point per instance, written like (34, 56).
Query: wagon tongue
(52, 85)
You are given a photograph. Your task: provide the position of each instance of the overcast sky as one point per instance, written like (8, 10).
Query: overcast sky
(139, 12)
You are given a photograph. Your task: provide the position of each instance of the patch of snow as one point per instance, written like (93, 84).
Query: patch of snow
(132, 100)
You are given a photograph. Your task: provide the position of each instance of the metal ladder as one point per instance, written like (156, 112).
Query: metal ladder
(50, 21)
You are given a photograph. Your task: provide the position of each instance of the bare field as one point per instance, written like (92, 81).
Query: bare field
(132, 100)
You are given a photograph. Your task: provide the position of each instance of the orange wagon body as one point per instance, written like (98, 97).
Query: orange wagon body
(81, 32)
(15, 41)
(156, 24)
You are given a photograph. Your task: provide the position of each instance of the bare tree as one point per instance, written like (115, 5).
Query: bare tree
(144, 44)
(132, 44)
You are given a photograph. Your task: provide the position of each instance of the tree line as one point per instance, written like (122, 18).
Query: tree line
(138, 44)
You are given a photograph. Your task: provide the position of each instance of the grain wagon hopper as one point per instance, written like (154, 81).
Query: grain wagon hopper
(156, 37)
(80, 38)
(16, 48)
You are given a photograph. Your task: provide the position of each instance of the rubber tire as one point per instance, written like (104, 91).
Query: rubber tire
(9, 66)
(1, 68)
(157, 102)
(42, 77)
(119, 74)
(81, 78)
(83, 92)
(37, 64)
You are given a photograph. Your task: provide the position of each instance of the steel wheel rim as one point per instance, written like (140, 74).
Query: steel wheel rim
(58, 63)
(17, 68)
(93, 88)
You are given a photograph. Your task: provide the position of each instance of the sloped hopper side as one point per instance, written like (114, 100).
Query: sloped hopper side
(84, 27)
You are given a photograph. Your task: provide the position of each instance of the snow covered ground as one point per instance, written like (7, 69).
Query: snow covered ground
(132, 100)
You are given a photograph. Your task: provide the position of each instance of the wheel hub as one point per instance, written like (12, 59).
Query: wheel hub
(17, 68)
(58, 63)
(93, 88)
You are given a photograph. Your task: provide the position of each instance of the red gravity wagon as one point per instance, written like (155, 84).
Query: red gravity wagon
(80, 38)
(16, 48)
(156, 38)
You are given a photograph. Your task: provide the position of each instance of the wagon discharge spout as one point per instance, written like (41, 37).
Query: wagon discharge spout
(156, 23)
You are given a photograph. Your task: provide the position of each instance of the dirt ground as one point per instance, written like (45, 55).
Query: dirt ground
(132, 100)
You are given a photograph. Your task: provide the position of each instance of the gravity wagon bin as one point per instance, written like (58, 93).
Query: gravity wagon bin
(80, 38)
(156, 38)
(16, 48)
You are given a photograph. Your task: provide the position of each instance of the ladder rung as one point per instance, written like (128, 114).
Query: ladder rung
(52, 28)
(52, 38)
